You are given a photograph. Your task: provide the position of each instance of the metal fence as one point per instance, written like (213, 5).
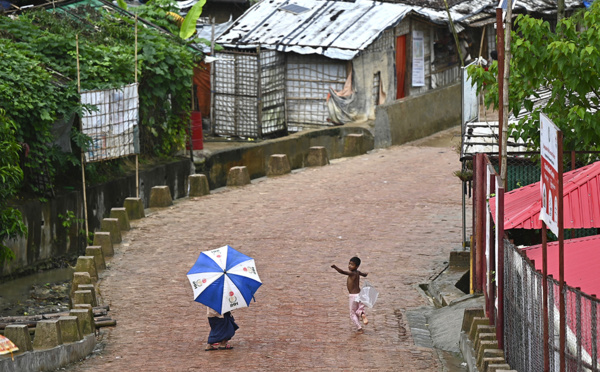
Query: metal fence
(523, 314)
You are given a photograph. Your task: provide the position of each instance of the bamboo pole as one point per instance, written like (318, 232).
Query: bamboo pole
(137, 167)
(212, 78)
(85, 214)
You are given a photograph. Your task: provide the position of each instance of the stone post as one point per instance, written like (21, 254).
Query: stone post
(78, 279)
(121, 215)
(160, 197)
(47, 334)
(134, 208)
(317, 157)
(69, 329)
(83, 297)
(198, 184)
(19, 335)
(87, 264)
(96, 252)
(111, 225)
(103, 239)
(86, 320)
(92, 289)
(278, 165)
(354, 144)
(238, 176)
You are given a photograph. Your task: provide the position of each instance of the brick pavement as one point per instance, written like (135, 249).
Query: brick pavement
(399, 209)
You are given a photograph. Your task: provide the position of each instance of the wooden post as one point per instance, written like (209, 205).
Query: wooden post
(561, 253)
(212, 78)
(259, 103)
(82, 152)
(545, 296)
(137, 167)
(500, 54)
(500, 270)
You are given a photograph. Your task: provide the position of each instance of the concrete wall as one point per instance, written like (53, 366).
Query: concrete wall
(418, 116)
(295, 146)
(48, 240)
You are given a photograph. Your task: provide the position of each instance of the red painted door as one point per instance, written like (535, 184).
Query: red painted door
(400, 65)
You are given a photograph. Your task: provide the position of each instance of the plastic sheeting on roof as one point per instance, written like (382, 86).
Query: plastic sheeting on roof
(581, 202)
(335, 29)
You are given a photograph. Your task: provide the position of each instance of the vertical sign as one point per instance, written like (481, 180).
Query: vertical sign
(549, 178)
(418, 65)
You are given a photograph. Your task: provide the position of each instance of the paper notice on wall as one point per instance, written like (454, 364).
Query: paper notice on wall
(111, 122)
(418, 62)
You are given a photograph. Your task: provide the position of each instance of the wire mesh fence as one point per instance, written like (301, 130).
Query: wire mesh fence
(523, 314)
(249, 94)
(309, 78)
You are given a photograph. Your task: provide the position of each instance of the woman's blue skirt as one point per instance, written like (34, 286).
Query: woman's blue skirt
(221, 329)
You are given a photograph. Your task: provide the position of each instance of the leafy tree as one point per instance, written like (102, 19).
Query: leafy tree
(11, 175)
(568, 63)
(38, 78)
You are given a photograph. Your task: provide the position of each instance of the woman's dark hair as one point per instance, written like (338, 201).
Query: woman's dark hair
(356, 260)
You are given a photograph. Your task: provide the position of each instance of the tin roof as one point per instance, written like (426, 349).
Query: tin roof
(335, 29)
(482, 138)
(582, 261)
(581, 202)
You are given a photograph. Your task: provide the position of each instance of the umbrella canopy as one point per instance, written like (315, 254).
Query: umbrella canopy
(224, 279)
(7, 346)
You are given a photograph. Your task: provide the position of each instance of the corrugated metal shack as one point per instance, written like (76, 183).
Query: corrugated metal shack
(290, 66)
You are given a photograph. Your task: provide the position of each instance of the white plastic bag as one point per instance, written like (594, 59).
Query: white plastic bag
(368, 294)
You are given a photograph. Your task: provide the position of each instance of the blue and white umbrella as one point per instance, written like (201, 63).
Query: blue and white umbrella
(224, 279)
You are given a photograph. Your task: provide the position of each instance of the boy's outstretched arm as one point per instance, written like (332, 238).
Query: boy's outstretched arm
(362, 274)
(340, 270)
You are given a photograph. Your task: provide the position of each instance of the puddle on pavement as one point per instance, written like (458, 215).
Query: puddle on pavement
(17, 291)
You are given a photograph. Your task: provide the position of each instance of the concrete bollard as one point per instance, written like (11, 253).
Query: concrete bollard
(121, 215)
(87, 264)
(83, 297)
(69, 329)
(103, 239)
(92, 289)
(83, 306)
(354, 144)
(278, 165)
(198, 184)
(47, 334)
(96, 252)
(78, 279)
(19, 335)
(160, 197)
(111, 225)
(317, 156)
(134, 208)
(238, 176)
(86, 320)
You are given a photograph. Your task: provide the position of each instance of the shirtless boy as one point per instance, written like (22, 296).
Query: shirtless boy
(357, 309)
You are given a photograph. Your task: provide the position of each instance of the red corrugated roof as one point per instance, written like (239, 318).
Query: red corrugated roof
(582, 261)
(581, 202)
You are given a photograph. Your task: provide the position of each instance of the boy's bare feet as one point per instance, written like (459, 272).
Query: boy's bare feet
(364, 318)
(360, 330)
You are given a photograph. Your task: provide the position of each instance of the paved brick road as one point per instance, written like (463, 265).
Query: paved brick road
(399, 209)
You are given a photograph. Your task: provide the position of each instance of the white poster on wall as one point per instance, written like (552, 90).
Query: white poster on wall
(418, 63)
